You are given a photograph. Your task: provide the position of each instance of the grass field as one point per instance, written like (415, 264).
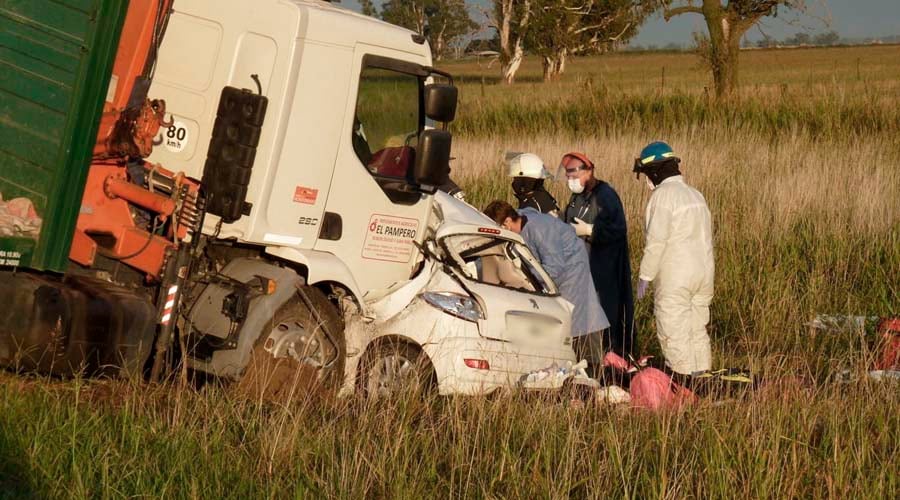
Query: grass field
(832, 92)
(802, 175)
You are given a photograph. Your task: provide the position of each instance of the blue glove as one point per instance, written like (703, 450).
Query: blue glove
(642, 289)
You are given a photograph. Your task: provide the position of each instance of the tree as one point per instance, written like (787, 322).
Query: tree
(727, 22)
(442, 22)
(449, 21)
(827, 38)
(799, 39)
(368, 8)
(765, 42)
(510, 18)
(564, 28)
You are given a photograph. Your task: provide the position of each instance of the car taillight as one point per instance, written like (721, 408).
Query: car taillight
(478, 364)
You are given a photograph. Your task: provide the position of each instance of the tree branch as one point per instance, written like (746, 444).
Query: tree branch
(677, 11)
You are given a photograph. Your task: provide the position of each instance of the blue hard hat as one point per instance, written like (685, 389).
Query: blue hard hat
(656, 151)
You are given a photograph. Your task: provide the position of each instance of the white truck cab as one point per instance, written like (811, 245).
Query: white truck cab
(312, 129)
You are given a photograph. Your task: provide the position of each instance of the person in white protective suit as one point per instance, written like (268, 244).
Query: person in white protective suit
(678, 260)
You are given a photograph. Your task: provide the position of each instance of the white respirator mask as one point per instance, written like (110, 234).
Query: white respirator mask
(575, 186)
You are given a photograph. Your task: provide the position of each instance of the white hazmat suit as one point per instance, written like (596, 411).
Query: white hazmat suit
(678, 259)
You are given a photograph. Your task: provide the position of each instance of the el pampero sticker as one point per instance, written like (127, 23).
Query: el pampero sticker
(390, 238)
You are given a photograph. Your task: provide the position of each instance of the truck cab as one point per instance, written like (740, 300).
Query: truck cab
(332, 179)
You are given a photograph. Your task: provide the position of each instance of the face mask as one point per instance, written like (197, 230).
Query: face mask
(575, 186)
(650, 184)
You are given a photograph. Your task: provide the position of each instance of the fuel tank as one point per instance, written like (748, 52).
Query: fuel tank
(63, 326)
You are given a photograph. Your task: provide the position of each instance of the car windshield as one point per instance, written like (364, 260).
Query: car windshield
(499, 262)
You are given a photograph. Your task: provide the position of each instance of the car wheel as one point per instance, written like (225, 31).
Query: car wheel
(391, 369)
(302, 350)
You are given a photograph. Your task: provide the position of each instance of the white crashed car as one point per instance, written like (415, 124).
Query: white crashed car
(480, 314)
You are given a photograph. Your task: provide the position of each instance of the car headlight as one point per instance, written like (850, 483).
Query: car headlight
(461, 306)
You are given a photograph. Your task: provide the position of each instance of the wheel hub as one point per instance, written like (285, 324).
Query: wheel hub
(290, 340)
(391, 374)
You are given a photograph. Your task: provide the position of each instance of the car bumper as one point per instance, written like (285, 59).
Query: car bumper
(508, 363)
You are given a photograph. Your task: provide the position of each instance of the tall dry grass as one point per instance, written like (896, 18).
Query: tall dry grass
(802, 226)
(71, 442)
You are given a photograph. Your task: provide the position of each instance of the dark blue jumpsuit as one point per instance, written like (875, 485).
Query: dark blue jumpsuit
(608, 251)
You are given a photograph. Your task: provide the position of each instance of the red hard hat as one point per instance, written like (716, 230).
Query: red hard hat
(578, 156)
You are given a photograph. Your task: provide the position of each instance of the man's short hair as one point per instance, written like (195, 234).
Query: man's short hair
(499, 210)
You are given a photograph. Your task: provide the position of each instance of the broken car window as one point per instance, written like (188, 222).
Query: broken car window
(499, 262)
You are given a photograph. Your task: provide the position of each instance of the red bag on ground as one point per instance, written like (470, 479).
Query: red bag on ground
(650, 387)
(653, 389)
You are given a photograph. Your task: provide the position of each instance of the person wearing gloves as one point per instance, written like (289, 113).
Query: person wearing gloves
(565, 259)
(678, 260)
(528, 173)
(597, 214)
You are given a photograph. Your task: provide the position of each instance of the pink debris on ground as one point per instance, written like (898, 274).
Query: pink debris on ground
(650, 387)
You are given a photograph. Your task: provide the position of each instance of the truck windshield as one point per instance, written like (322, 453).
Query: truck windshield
(500, 262)
(387, 121)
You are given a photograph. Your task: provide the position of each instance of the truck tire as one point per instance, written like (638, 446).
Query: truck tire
(301, 352)
(394, 368)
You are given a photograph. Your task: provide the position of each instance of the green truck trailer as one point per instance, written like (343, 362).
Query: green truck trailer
(56, 58)
(55, 63)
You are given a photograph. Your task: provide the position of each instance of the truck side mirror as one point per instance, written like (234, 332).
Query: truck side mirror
(440, 102)
(432, 167)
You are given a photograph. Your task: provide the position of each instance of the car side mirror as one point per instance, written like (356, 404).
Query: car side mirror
(440, 102)
(432, 166)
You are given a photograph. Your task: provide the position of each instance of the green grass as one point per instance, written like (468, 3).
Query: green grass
(806, 207)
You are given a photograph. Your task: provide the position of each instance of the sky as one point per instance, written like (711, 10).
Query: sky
(850, 18)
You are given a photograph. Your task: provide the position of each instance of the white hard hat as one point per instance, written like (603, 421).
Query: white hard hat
(526, 165)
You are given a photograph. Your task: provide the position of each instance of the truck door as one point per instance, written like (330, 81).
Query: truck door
(381, 214)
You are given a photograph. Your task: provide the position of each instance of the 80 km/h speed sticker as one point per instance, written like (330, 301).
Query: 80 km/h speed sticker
(176, 137)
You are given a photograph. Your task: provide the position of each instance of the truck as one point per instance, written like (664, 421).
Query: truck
(254, 192)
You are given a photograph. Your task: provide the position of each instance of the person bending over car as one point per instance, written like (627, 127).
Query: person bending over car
(563, 255)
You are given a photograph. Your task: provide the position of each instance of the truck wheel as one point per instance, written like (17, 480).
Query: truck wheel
(390, 369)
(302, 350)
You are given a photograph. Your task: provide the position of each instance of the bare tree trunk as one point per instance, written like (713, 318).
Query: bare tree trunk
(511, 67)
(726, 78)
(511, 52)
(551, 66)
(725, 48)
(561, 57)
(419, 14)
(439, 47)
